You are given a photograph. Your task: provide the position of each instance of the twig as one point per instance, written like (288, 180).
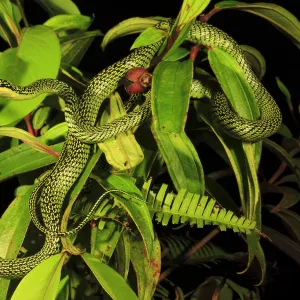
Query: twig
(204, 18)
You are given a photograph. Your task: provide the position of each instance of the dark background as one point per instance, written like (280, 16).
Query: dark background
(282, 58)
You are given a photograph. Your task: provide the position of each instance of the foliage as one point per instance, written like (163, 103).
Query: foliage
(126, 246)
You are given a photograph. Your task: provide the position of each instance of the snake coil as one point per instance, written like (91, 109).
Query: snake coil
(81, 117)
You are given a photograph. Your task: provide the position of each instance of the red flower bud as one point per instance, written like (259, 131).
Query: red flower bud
(139, 79)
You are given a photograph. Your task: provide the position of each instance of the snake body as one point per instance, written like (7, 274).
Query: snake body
(81, 115)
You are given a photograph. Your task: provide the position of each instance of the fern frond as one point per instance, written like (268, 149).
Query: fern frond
(191, 208)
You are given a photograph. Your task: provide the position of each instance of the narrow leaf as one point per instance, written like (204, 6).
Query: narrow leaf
(69, 22)
(42, 282)
(147, 273)
(170, 100)
(58, 7)
(256, 60)
(28, 139)
(191, 9)
(112, 282)
(282, 19)
(129, 26)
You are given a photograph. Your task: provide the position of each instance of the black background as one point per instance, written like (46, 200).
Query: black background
(282, 58)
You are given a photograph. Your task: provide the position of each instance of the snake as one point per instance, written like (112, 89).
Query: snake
(81, 117)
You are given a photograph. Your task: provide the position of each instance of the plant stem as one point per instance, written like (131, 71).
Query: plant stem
(20, 6)
(30, 129)
(205, 18)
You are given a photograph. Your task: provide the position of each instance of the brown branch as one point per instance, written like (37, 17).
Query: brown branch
(282, 166)
(204, 18)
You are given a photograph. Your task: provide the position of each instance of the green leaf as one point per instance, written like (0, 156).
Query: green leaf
(22, 158)
(27, 138)
(289, 199)
(171, 80)
(63, 289)
(147, 273)
(282, 19)
(177, 54)
(179, 39)
(236, 87)
(284, 131)
(104, 241)
(137, 210)
(69, 22)
(191, 9)
(234, 83)
(9, 29)
(290, 219)
(170, 101)
(14, 224)
(4, 285)
(37, 56)
(284, 243)
(256, 60)
(126, 27)
(149, 36)
(112, 282)
(58, 7)
(122, 254)
(55, 134)
(74, 46)
(40, 117)
(42, 282)
(286, 94)
(282, 155)
(244, 164)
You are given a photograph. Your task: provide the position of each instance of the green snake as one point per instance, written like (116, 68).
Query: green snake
(81, 116)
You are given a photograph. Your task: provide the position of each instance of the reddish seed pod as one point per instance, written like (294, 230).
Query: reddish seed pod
(139, 79)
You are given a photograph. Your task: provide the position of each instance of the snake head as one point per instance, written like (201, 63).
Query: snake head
(165, 25)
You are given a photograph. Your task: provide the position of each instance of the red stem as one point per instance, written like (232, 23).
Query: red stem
(30, 129)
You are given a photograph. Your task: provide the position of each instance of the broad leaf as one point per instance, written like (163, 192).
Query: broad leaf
(170, 100)
(36, 57)
(42, 282)
(149, 36)
(22, 158)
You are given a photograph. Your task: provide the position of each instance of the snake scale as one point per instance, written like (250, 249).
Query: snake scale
(81, 115)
